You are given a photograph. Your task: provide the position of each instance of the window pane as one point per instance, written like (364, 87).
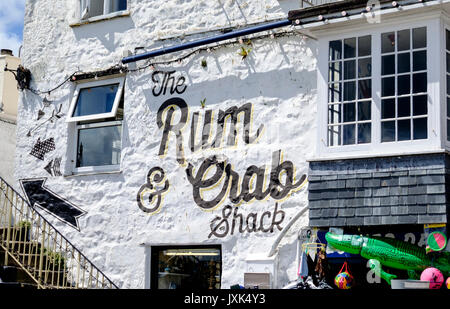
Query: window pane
(420, 60)
(388, 65)
(448, 84)
(448, 62)
(364, 110)
(420, 128)
(420, 105)
(419, 82)
(349, 112)
(448, 107)
(404, 107)
(364, 133)
(117, 5)
(349, 134)
(364, 89)
(420, 37)
(447, 39)
(349, 91)
(403, 63)
(334, 93)
(403, 39)
(364, 67)
(350, 48)
(387, 42)
(99, 146)
(404, 130)
(334, 135)
(388, 86)
(388, 108)
(350, 69)
(335, 72)
(96, 8)
(388, 131)
(364, 46)
(95, 100)
(403, 84)
(334, 113)
(335, 50)
(448, 130)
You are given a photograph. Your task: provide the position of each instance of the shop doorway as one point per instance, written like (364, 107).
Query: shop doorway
(186, 267)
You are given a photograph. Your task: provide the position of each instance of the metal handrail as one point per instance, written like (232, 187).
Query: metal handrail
(35, 245)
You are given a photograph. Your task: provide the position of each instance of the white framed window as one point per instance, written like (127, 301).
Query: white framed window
(97, 113)
(377, 93)
(96, 100)
(404, 98)
(447, 81)
(349, 91)
(94, 8)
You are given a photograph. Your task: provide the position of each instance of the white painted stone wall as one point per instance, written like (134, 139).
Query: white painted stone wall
(278, 78)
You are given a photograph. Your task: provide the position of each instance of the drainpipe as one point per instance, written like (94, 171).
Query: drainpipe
(201, 42)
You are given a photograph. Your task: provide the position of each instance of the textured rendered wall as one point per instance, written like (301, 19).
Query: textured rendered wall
(276, 82)
(7, 152)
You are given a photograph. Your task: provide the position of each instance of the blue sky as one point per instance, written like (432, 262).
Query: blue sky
(11, 24)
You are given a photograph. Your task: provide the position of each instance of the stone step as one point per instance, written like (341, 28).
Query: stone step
(17, 285)
(15, 274)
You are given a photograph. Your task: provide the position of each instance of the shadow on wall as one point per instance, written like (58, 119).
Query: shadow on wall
(286, 256)
(105, 31)
(267, 84)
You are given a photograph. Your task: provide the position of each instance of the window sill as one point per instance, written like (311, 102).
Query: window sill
(100, 18)
(111, 170)
(337, 157)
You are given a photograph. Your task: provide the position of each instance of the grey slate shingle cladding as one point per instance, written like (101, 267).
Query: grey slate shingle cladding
(379, 191)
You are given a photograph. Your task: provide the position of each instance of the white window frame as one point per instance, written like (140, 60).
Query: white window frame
(83, 4)
(76, 127)
(105, 82)
(376, 147)
(445, 26)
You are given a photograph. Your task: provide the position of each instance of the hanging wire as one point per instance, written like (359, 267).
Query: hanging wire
(23, 76)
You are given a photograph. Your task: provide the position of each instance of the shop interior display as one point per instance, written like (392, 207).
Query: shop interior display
(184, 268)
(383, 251)
(313, 273)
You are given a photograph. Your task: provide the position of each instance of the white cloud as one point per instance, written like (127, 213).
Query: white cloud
(11, 24)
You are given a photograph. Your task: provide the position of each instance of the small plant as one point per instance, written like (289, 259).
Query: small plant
(244, 52)
(56, 259)
(203, 103)
(25, 224)
(204, 63)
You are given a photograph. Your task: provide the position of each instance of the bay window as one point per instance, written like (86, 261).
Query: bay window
(380, 91)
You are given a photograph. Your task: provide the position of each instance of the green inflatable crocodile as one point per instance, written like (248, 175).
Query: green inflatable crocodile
(389, 252)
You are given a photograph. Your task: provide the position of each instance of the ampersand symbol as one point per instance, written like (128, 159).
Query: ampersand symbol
(155, 176)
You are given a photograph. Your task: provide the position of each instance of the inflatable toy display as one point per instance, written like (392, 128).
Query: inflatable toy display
(389, 252)
(434, 276)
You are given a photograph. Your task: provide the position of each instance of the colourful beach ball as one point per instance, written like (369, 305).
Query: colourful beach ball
(437, 241)
(343, 281)
(433, 275)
